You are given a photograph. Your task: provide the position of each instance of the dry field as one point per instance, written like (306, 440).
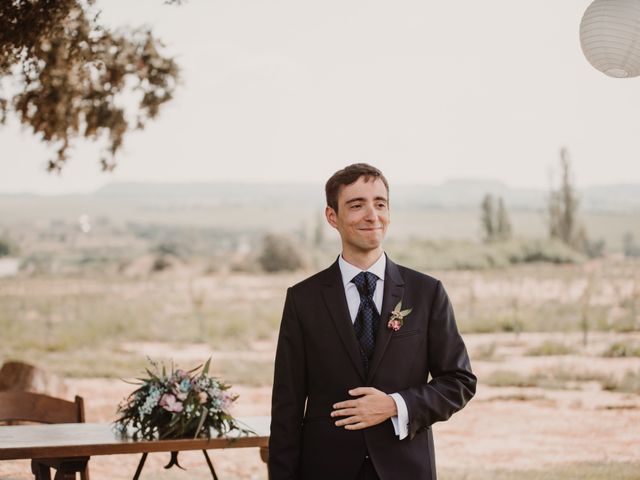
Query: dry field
(548, 405)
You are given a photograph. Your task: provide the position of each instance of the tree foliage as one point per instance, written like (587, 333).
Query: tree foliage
(563, 215)
(486, 218)
(563, 208)
(70, 75)
(494, 220)
(503, 222)
(563, 205)
(629, 245)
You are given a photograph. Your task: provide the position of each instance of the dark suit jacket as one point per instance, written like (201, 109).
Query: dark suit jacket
(318, 361)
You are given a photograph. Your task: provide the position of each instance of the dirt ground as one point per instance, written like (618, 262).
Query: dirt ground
(509, 428)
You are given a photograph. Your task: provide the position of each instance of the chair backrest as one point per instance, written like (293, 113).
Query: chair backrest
(35, 407)
(16, 375)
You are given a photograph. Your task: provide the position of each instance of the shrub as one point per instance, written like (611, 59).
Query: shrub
(486, 352)
(552, 251)
(7, 247)
(509, 378)
(160, 263)
(280, 253)
(175, 249)
(630, 383)
(620, 349)
(550, 348)
(629, 245)
(559, 378)
(460, 255)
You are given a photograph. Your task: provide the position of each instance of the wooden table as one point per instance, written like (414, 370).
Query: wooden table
(83, 440)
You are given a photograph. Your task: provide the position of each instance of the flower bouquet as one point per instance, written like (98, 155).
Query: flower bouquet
(180, 404)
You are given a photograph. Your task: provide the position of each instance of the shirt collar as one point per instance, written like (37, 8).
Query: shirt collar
(349, 271)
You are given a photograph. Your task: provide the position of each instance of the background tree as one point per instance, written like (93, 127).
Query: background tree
(487, 218)
(69, 75)
(318, 234)
(563, 207)
(494, 220)
(629, 245)
(503, 223)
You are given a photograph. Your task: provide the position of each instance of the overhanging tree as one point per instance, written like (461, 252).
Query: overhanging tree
(69, 75)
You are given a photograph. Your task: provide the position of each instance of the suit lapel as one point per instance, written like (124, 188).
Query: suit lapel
(393, 290)
(336, 302)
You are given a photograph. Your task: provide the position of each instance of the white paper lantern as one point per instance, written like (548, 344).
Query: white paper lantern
(610, 37)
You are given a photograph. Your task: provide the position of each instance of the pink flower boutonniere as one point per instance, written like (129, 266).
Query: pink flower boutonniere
(396, 319)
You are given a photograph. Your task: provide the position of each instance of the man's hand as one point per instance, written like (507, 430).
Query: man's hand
(373, 407)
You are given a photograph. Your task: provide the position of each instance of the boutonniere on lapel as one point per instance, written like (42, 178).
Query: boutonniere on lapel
(396, 319)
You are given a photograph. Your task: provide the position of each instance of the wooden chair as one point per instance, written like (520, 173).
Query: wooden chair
(19, 406)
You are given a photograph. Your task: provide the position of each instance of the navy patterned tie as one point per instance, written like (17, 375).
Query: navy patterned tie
(367, 317)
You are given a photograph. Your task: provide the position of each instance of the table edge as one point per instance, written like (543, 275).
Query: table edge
(21, 453)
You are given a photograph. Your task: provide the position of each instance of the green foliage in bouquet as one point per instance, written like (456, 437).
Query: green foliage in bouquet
(179, 405)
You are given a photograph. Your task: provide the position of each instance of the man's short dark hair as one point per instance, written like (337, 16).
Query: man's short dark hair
(349, 175)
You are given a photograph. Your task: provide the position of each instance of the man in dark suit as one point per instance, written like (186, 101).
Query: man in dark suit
(352, 398)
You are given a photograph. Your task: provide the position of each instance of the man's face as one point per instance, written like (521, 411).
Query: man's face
(363, 215)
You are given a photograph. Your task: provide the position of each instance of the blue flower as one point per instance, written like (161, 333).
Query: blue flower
(185, 385)
(150, 402)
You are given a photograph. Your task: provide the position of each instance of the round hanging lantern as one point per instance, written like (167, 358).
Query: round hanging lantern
(610, 37)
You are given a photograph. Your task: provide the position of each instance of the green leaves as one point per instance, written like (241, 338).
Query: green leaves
(204, 413)
(205, 370)
(402, 313)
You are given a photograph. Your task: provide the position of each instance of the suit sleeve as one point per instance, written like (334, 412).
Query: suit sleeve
(288, 398)
(453, 383)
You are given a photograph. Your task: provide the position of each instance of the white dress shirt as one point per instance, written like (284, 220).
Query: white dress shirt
(348, 271)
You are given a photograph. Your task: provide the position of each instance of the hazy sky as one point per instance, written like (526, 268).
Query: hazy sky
(283, 91)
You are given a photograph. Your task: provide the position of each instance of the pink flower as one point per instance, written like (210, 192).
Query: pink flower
(394, 325)
(170, 403)
(227, 400)
(202, 398)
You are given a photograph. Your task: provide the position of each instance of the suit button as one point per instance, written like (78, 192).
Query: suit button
(366, 457)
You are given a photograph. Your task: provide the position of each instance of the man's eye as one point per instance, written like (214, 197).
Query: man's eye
(355, 206)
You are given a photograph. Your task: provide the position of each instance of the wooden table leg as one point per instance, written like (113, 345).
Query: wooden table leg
(140, 465)
(264, 455)
(40, 471)
(65, 468)
(211, 469)
(174, 461)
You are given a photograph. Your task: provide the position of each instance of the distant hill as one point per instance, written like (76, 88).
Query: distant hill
(622, 197)
(235, 212)
(211, 194)
(457, 193)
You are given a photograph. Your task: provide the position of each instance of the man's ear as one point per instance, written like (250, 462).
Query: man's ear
(331, 215)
